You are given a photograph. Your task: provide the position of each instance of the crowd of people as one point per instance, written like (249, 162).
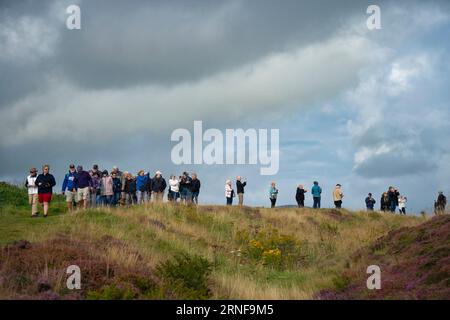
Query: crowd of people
(97, 187)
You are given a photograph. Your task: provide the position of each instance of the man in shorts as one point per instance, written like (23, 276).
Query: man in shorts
(83, 181)
(68, 187)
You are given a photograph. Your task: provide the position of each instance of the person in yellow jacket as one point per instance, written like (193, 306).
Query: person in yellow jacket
(337, 196)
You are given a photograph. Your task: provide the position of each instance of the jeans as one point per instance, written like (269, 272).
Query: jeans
(142, 197)
(338, 204)
(106, 200)
(98, 200)
(173, 196)
(116, 198)
(393, 206)
(129, 198)
(272, 202)
(195, 197)
(229, 201)
(316, 204)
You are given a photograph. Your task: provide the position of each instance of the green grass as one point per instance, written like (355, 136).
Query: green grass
(246, 253)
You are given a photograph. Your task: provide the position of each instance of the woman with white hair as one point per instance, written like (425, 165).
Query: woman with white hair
(229, 193)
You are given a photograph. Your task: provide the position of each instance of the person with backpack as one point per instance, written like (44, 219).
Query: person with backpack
(370, 202)
(158, 186)
(316, 192)
(68, 187)
(337, 196)
(195, 188)
(273, 194)
(106, 188)
(129, 188)
(229, 193)
(402, 204)
(30, 184)
(117, 188)
(440, 203)
(83, 183)
(300, 196)
(240, 189)
(45, 183)
(141, 187)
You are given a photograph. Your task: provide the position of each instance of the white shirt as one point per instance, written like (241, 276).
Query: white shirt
(228, 190)
(32, 188)
(174, 185)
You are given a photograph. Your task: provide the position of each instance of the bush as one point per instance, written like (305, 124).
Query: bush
(186, 276)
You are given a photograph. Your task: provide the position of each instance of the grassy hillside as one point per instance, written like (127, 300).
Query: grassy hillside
(170, 252)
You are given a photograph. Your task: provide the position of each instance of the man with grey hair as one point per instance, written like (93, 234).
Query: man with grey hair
(240, 189)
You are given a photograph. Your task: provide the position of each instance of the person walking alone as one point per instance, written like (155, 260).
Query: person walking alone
(370, 202)
(337, 196)
(316, 192)
(300, 196)
(273, 194)
(32, 189)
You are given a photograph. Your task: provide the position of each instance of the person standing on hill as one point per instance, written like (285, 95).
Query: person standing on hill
(384, 202)
(195, 188)
(158, 186)
(95, 189)
(273, 194)
(370, 202)
(117, 188)
(440, 203)
(30, 184)
(45, 183)
(141, 187)
(337, 196)
(229, 192)
(129, 188)
(240, 189)
(316, 192)
(174, 189)
(83, 183)
(393, 198)
(300, 196)
(402, 204)
(106, 188)
(68, 187)
(185, 188)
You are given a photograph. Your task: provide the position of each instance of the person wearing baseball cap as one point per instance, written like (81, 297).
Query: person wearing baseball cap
(158, 186)
(68, 187)
(30, 184)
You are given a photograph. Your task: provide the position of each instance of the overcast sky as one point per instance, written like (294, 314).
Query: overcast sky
(364, 108)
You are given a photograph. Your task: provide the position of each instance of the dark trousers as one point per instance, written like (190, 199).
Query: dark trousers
(316, 204)
(338, 204)
(393, 206)
(402, 211)
(301, 203)
(272, 202)
(229, 201)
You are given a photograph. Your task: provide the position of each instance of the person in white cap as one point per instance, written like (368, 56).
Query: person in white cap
(158, 186)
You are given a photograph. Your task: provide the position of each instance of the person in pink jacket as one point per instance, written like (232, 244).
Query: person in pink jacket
(106, 188)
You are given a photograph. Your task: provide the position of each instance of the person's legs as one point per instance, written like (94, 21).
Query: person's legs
(195, 197)
(241, 198)
(33, 200)
(46, 205)
(229, 201)
(315, 202)
(272, 202)
(393, 206)
(139, 197)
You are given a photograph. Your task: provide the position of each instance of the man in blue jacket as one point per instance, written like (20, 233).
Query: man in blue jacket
(316, 192)
(68, 187)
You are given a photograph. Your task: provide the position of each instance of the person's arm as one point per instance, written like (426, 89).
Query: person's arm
(52, 181)
(26, 183)
(64, 185)
(244, 184)
(164, 184)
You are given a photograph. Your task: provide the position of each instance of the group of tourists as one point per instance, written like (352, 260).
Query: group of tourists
(95, 188)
